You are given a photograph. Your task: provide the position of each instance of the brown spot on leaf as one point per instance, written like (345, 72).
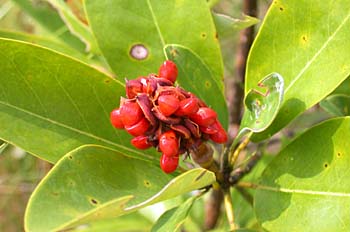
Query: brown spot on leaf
(93, 201)
(147, 183)
(326, 165)
(204, 35)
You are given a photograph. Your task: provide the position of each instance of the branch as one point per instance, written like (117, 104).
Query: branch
(235, 94)
(239, 173)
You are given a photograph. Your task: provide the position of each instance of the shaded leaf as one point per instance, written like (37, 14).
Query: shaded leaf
(94, 183)
(151, 24)
(261, 108)
(226, 25)
(78, 28)
(305, 42)
(337, 105)
(306, 187)
(130, 222)
(51, 104)
(172, 219)
(50, 20)
(195, 76)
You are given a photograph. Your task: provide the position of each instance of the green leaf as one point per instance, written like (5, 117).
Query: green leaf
(261, 108)
(337, 105)
(94, 183)
(196, 76)
(306, 187)
(45, 42)
(120, 25)
(51, 21)
(130, 222)
(51, 104)
(172, 219)
(77, 27)
(226, 25)
(305, 42)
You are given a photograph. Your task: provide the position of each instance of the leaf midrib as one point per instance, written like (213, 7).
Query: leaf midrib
(308, 64)
(72, 129)
(301, 191)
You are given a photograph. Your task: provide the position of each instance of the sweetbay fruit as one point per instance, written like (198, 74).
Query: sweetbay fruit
(162, 115)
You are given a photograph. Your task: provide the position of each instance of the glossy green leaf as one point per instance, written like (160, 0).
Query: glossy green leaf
(51, 21)
(45, 42)
(337, 105)
(261, 108)
(77, 27)
(306, 187)
(196, 76)
(120, 25)
(94, 183)
(173, 219)
(51, 104)
(226, 25)
(306, 43)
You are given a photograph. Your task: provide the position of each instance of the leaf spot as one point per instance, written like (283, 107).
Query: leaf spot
(147, 183)
(281, 8)
(204, 35)
(139, 52)
(207, 84)
(70, 157)
(326, 165)
(174, 53)
(93, 201)
(338, 154)
(107, 81)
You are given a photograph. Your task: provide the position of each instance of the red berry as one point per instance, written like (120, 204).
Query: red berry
(131, 113)
(169, 143)
(168, 70)
(204, 116)
(168, 104)
(141, 142)
(220, 136)
(139, 128)
(116, 119)
(169, 163)
(187, 107)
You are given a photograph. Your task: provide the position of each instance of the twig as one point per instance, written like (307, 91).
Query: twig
(229, 209)
(239, 173)
(213, 208)
(236, 93)
(233, 158)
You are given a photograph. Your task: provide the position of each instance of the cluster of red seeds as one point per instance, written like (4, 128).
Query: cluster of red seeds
(165, 116)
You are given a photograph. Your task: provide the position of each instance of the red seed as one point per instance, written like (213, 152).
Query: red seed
(168, 104)
(169, 163)
(204, 116)
(131, 113)
(141, 142)
(187, 107)
(169, 143)
(139, 128)
(116, 119)
(168, 70)
(221, 135)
